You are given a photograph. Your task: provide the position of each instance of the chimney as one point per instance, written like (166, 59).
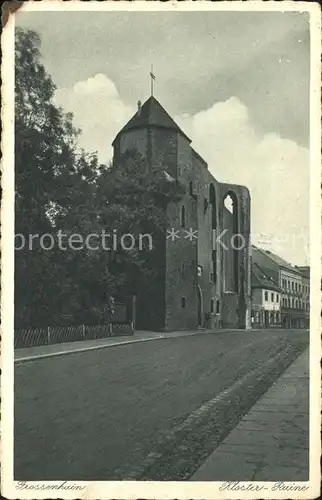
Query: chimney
(139, 108)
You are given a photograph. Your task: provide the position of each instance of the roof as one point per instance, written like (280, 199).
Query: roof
(152, 114)
(260, 279)
(276, 259)
(304, 270)
(267, 265)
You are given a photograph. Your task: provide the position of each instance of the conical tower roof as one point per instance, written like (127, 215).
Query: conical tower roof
(152, 114)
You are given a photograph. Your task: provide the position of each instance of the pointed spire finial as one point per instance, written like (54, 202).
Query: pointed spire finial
(152, 76)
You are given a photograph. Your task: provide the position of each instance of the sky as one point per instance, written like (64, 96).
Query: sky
(237, 83)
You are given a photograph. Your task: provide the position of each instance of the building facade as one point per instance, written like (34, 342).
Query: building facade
(266, 300)
(205, 280)
(296, 297)
(294, 285)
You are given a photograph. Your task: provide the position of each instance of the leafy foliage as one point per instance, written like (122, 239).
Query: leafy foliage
(61, 188)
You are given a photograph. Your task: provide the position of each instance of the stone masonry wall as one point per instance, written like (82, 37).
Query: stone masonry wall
(210, 288)
(244, 254)
(163, 150)
(181, 254)
(134, 139)
(176, 306)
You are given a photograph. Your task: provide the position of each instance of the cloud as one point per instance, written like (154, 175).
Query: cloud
(276, 170)
(98, 111)
(98, 85)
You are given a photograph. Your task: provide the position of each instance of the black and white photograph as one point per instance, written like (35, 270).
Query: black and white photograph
(161, 256)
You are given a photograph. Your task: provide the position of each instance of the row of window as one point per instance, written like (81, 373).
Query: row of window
(272, 297)
(295, 303)
(290, 303)
(293, 285)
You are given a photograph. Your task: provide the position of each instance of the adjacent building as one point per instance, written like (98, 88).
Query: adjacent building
(266, 299)
(293, 283)
(202, 283)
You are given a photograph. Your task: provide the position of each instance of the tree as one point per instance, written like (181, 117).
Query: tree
(53, 179)
(133, 199)
(60, 187)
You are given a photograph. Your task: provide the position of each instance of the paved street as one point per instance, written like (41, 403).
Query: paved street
(151, 410)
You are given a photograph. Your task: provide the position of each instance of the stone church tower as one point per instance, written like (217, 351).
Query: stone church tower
(205, 281)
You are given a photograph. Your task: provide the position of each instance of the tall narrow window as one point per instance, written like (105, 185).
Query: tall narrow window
(229, 204)
(183, 302)
(212, 306)
(213, 215)
(231, 255)
(212, 201)
(193, 189)
(183, 216)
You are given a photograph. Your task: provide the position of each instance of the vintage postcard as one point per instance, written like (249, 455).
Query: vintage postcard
(161, 250)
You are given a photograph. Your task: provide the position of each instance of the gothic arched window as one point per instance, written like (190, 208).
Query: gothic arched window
(231, 253)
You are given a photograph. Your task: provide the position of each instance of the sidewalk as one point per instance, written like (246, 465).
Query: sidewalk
(271, 443)
(45, 351)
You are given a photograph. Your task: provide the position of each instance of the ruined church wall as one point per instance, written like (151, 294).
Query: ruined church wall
(243, 276)
(181, 254)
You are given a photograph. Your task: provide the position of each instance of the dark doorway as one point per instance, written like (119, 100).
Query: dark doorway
(266, 318)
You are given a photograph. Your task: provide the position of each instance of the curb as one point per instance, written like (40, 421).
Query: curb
(127, 342)
(94, 348)
(82, 349)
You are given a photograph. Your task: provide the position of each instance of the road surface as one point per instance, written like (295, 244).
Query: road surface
(153, 410)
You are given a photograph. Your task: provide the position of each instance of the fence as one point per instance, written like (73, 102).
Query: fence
(29, 337)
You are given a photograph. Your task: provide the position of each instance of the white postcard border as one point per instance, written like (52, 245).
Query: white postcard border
(152, 489)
